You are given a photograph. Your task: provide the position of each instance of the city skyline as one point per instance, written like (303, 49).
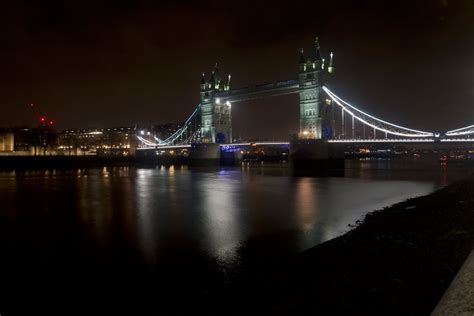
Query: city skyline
(124, 66)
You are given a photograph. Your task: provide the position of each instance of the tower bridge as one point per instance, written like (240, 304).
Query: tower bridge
(325, 118)
(217, 97)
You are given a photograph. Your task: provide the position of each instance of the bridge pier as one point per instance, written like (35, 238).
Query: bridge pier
(209, 154)
(315, 156)
(204, 154)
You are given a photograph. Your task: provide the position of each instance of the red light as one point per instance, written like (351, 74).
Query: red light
(51, 122)
(42, 119)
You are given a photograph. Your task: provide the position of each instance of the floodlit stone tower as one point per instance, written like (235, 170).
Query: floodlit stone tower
(310, 93)
(216, 118)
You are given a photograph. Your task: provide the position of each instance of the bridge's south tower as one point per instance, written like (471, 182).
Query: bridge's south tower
(216, 118)
(310, 93)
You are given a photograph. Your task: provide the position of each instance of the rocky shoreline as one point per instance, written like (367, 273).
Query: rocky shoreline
(397, 261)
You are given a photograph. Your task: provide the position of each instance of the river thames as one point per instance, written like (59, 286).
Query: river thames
(179, 230)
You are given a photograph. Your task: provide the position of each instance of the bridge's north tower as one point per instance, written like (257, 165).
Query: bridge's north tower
(310, 93)
(216, 118)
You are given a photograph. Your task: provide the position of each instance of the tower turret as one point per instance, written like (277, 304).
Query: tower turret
(203, 82)
(212, 81)
(227, 87)
(302, 61)
(317, 58)
(216, 78)
(331, 64)
(317, 55)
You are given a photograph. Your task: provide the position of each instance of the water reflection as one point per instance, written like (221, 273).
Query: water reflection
(306, 206)
(222, 211)
(94, 201)
(307, 209)
(146, 227)
(154, 214)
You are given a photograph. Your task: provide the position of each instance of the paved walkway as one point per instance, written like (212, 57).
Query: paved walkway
(459, 298)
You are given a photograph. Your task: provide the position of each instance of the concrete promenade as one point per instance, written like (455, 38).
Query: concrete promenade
(459, 297)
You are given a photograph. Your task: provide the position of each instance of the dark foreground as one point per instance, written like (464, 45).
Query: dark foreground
(398, 261)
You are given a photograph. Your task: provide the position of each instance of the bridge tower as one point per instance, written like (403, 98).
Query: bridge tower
(328, 111)
(216, 117)
(310, 93)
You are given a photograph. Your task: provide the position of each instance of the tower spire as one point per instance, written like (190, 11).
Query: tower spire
(318, 49)
(302, 60)
(215, 77)
(331, 67)
(228, 82)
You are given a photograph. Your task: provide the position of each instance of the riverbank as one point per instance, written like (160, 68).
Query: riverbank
(397, 261)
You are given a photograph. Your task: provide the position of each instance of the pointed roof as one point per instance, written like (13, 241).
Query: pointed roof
(317, 56)
(331, 66)
(215, 74)
(302, 60)
(213, 79)
(203, 79)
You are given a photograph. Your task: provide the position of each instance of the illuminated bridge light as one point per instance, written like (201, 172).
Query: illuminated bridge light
(383, 140)
(458, 140)
(175, 146)
(146, 142)
(256, 144)
(377, 123)
(236, 144)
(167, 147)
(467, 130)
(272, 143)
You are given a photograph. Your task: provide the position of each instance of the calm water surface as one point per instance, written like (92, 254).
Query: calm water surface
(150, 217)
(213, 211)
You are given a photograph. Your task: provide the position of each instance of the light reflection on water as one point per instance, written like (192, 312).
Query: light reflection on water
(167, 210)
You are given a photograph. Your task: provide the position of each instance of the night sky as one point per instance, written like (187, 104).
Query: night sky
(113, 63)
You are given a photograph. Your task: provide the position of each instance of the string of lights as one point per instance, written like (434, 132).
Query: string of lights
(467, 130)
(375, 122)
